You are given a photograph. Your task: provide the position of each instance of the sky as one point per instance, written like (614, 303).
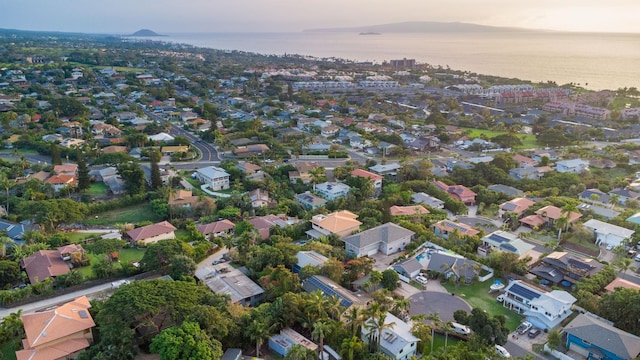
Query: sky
(185, 16)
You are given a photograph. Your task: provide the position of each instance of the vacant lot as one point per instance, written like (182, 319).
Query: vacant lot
(528, 141)
(132, 214)
(127, 256)
(97, 189)
(477, 295)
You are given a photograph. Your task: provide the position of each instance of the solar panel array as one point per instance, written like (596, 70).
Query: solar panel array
(523, 292)
(329, 291)
(455, 226)
(579, 264)
(499, 239)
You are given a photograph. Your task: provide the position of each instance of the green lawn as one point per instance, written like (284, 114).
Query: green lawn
(78, 237)
(438, 341)
(132, 214)
(127, 256)
(528, 141)
(477, 295)
(97, 188)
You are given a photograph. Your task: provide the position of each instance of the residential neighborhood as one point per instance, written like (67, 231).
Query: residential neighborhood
(305, 208)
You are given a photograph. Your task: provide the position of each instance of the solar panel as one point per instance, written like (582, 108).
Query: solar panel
(83, 314)
(498, 238)
(329, 291)
(523, 292)
(509, 207)
(579, 264)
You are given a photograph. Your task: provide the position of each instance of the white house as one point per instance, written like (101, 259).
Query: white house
(397, 341)
(215, 177)
(332, 190)
(545, 310)
(575, 166)
(387, 238)
(422, 198)
(306, 258)
(608, 234)
(162, 137)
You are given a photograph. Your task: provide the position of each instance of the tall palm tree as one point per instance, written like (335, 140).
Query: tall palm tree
(567, 210)
(6, 184)
(258, 331)
(614, 200)
(446, 327)
(320, 330)
(349, 347)
(435, 322)
(624, 264)
(377, 323)
(316, 306)
(354, 319)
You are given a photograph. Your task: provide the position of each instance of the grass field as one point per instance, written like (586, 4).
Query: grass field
(132, 214)
(528, 141)
(97, 188)
(78, 237)
(127, 256)
(477, 295)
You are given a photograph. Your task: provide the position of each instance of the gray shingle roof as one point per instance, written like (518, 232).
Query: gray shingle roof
(605, 336)
(385, 233)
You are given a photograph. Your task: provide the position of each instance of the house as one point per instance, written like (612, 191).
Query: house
(171, 150)
(264, 223)
(183, 198)
(115, 184)
(596, 339)
(214, 177)
(408, 268)
(217, 228)
(458, 192)
(387, 238)
(59, 182)
(59, 333)
(559, 267)
(623, 195)
(524, 162)
(251, 150)
(227, 280)
(308, 258)
(504, 189)
(397, 341)
(604, 212)
(332, 190)
(376, 180)
(608, 234)
(422, 198)
(66, 169)
(532, 173)
(516, 206)
(341, 223)
(503, 241)
(44, 264)
(545, 310)
(443, 228)
(16, 230)
(622, 283)
(408, 211)
(260, 198)
(548, 215)
(232, 354)
(283, 342)
(152, 233)
(310, 201)
(303, 171)
(329, 288)
(594, 196)
(390, 169)
(161, 137)
(453, 265)
(575, 166)
(538, 155)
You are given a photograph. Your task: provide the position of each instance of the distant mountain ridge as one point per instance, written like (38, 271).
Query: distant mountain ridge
(146, 33)
(422, 27)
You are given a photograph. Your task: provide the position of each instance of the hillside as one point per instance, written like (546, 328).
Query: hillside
(146, 33)
(420, 27)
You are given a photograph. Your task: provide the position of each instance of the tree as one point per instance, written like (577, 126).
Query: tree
(156, 179)
(554, 339)
(133, 177)
(624, 264)
(435, 322)
(350, 347)
(182, 267)
(9, 272)
(390, 279)
(187, 342)
(56, 158)
(6, 185)
(84, 181)
(258, 331)
(320, 331)
(376, 325)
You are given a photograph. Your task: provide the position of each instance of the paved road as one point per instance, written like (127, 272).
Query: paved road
(443, 304)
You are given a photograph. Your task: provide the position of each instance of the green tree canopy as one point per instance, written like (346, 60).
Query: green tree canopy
(187, 342)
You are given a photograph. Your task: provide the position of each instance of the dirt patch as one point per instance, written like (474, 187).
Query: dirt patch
(581, 249)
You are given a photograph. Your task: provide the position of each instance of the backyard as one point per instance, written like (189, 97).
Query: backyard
(528, 141)
(127, 256)
(477, 295)
(132, 214)
(97, 189)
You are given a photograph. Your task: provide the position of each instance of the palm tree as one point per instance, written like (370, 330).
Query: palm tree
(377, 323)
(5, 242)
(560, 223)
(320, 330)
(435, 322)
(354, 319)
(349, 347)
(446, 327)
(614, 200)
(316, 306)
(624, 264)
(567, 210)
(400, 307)
(6, 184)
(299, 352)
(258, 331)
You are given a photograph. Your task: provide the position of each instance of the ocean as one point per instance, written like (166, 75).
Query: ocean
(595, 61)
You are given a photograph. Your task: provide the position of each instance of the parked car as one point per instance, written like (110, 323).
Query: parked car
(524, 327)
(422, 280)
(500, 298)
(637, 258)
(609, 247)
(460, 329)
(502, 351)
(534, 332)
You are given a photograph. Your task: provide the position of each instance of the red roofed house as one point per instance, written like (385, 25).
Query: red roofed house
(61, 181)
(44, 264)
(59, 333)
(217, 228)
(517, 206)
(152, 233)
(443, 228)
(66, 169)
(376, 179)
(548, 215)
(458, 192)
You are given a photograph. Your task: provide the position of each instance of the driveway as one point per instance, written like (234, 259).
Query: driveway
(443, 304)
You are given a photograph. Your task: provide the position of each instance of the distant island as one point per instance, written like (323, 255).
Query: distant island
(420, 27)
(146, 33)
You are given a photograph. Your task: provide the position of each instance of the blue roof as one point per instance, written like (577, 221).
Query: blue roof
(499, 239)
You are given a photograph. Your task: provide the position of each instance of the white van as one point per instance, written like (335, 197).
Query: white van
(460, 329)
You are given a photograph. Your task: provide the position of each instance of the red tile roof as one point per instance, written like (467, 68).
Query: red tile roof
(366, 174)
(44, 264)
(216, 227)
